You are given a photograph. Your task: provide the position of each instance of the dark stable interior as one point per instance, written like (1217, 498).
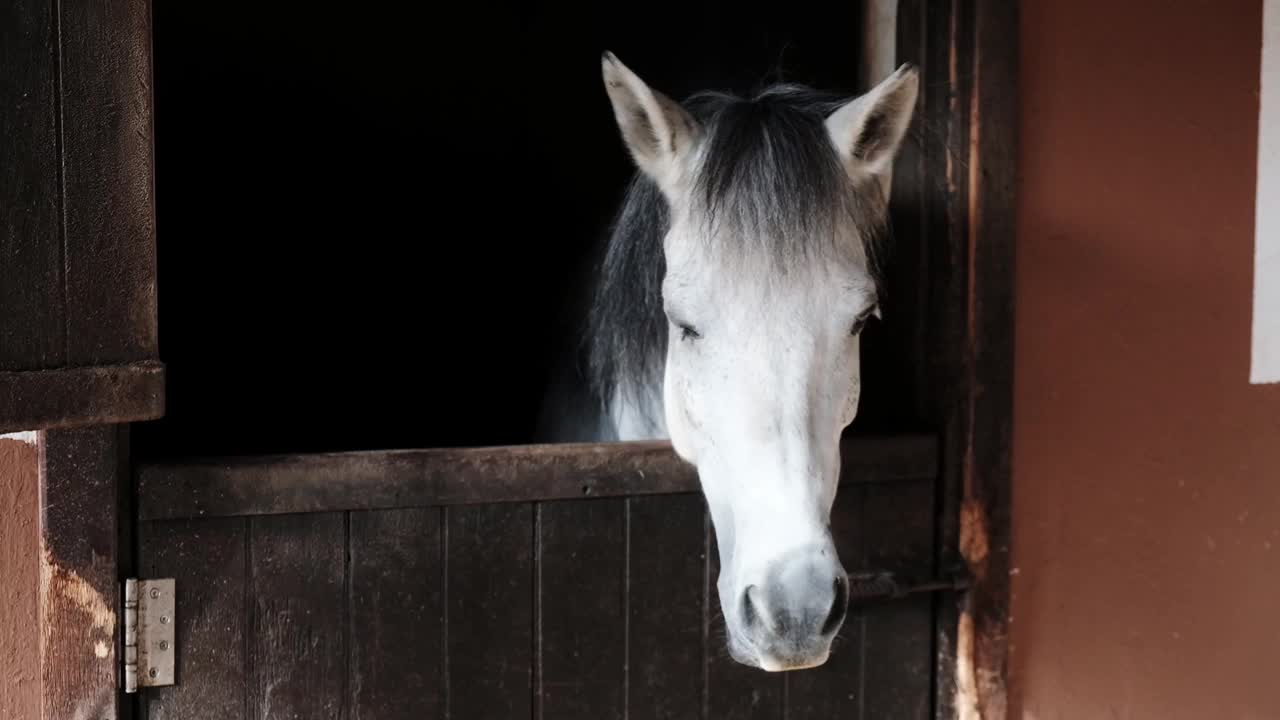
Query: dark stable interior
(369, 221)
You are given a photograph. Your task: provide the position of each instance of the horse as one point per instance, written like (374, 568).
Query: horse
(724, 317)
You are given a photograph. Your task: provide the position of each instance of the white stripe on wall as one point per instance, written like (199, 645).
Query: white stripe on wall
(27, 436)
(1266, 264)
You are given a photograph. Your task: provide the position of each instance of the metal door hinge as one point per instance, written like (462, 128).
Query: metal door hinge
(149, 621)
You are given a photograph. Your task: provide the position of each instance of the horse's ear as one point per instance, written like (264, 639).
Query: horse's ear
(657, 131)
(867, 131)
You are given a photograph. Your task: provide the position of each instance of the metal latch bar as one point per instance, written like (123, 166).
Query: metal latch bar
(886, 585)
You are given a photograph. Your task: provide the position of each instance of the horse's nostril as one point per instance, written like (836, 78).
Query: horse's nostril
(838, 607)
(749, 614)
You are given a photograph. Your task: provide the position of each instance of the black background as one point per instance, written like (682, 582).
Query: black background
(369, 217)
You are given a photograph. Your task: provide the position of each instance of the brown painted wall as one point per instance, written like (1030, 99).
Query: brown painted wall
(1146, 468)
(19, 563)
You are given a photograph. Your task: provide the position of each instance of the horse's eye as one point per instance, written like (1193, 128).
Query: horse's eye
(861, 322)
(687, 332)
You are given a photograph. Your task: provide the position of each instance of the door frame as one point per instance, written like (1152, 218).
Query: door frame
(964, 161)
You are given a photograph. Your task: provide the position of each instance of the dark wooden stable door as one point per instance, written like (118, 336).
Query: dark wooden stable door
(538, 582)
(300, 600)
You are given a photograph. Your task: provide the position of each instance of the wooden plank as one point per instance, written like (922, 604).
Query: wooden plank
(32, 332)
(81, 396)
(909, 281)
(107, 179)
(666, 566)
(987, 484)
(956, 211)
(20, 560)
(969, 136)
(489, 571)
(926, 33)
(949, 42)
(297, 650)
(733, 690)
(896, 534)
(924, 37)
(78, 596)
(582, 615)
(832, 690)
(397, 615)
(208, 559)
(372, 480)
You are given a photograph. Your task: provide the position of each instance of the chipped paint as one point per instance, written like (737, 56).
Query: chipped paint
(974, 536)
(56, 580)
(94, 708)
(77, 628)
(979, 693)
(966, 678)
(74, 564)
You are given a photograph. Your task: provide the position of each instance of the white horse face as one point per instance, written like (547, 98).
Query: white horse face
(757, 400)
(762, 370)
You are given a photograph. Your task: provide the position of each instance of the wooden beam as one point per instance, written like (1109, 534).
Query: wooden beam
(954, 190)
(108, 206)
(417, 478)
(983, 636)
(78, 592)
(32, 305)
(78, 323)
(72, 397)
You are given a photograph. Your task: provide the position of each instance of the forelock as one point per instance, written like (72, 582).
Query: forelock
(768, 183)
